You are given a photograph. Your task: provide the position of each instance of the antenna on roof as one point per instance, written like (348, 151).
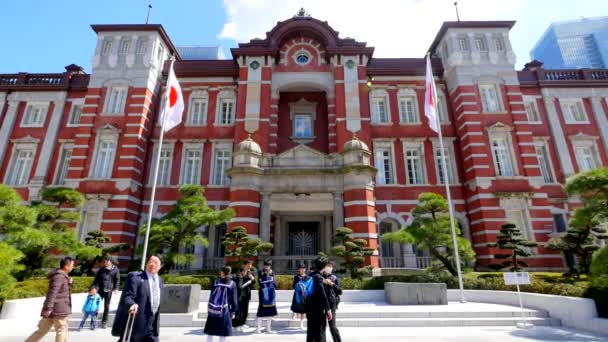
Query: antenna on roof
(456, 6)
(148, 15)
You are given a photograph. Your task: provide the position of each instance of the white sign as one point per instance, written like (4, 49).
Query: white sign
(516, 278)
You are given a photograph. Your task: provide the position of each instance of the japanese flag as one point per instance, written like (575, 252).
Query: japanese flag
(174, 103)
(430, 109)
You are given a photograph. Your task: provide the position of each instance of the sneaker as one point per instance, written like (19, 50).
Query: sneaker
(245, 326)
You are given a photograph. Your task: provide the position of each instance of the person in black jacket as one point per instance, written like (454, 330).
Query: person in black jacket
(243, 285)
(141, 297)
(106, 280)
(318, 311)
(333, 292)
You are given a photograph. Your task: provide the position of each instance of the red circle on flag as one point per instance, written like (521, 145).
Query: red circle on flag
(172, 96)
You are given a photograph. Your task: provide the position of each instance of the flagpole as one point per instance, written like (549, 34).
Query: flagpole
(156, 165)
(446, 181)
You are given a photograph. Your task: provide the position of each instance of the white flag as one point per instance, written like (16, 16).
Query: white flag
(430, 109)
(174, 103)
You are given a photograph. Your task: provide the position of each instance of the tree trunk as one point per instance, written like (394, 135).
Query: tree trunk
(445, 261)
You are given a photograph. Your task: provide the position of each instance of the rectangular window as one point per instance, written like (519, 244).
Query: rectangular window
(489, 98)
(518, 218)
(63, 164)
(439, 166)
(160, 53)
(302, 126)
(480, 44)
(559, 223)
(502, 157)
(116, 98)
(107, 47)
(462, 44)
(34, 116)
(441, 109)
(124, 47)
(75, 115)
(20, 166)
(196, 115)
(499, 44)
(379, 112)
(586, 157)
(544, 163)
(191, 173)
(384, 164)
(141, 47)
(413, 165)
(104, 159)
(222, 162)
(532, 111)
(407, 109)
(164, 165)
(227, 112)
(574, 112)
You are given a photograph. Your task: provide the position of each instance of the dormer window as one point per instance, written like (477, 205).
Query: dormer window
(480, 44)
(107, 47)
(499, 44)
(462, 44)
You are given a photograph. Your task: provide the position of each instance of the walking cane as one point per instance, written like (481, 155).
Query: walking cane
(126, 335)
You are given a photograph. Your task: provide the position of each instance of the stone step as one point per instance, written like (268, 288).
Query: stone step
(282, 323)
(390, 315)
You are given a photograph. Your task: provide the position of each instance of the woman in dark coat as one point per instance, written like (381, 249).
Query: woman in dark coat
(267, 307)
(298, 307)
(220, 312)
(243, 287)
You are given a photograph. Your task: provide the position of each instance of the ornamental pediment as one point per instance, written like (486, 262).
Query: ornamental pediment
(302, 156)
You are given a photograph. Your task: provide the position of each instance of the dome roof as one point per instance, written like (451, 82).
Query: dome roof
(248, 146)
(355, 145)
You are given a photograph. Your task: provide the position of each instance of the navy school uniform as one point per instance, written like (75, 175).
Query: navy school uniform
(295, 306)
(222, 326)
(267, 308)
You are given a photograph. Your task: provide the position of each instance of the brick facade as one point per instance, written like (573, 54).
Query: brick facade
(290, 130)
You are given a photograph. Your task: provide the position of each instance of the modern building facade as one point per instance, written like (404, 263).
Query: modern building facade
(574, 44)
(290, 135)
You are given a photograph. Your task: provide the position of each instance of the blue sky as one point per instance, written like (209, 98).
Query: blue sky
(45, 36)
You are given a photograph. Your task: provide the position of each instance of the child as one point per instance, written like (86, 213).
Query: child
(91, 308)
(243, 286)
(222, 306)
(297, 305)
(267, 307)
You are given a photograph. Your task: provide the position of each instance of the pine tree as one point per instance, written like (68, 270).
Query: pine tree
(587, 224)
(179, 228)
(44, 229)
(510, 238)
(353, 251)
(431, 230)
(239, 246)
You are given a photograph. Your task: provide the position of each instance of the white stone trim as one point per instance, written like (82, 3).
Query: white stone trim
(360, 219)
(244, 204)
(369, 203)
(245, 219)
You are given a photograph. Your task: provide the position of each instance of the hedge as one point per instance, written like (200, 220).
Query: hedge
(545, 283)
(39, 287)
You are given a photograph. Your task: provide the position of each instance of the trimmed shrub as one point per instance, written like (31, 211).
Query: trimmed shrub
(39, 287)
(204, 281)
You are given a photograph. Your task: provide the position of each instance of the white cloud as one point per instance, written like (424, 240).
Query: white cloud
(403, 28)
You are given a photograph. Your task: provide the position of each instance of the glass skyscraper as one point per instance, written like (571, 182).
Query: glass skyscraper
(581, 43)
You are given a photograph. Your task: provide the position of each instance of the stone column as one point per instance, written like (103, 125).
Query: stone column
(265, 217)
(327, 234)
(278, 236)
(7, 127)
(601, 119)
(338, 210)
(211, 238)
(558, 134)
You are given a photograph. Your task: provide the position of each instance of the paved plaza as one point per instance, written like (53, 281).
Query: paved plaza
(14, 331)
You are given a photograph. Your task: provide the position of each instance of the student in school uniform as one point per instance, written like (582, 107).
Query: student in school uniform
(243, 288)
(267, 307)
(222, 306)
(297, 304)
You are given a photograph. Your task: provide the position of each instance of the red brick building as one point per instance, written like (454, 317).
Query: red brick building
(290, 135)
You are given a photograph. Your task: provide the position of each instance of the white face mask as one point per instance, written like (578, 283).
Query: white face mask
(328, 270)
